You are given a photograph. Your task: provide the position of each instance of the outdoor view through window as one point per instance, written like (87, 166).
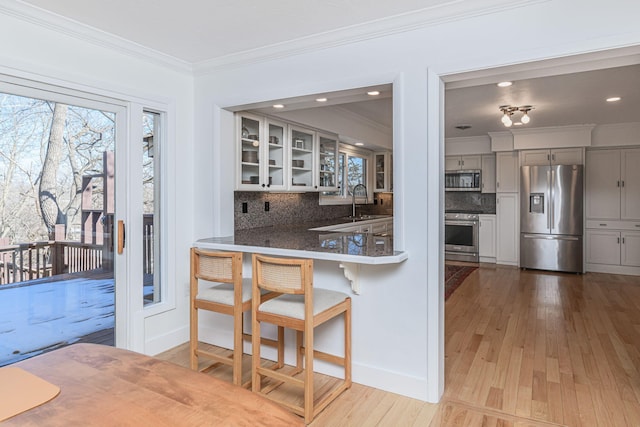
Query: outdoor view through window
(57, 207)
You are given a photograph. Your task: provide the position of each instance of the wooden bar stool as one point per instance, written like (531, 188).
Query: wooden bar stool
(300, 307)
(229, 294)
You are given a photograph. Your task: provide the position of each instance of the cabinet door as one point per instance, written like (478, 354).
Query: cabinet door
(630, 184)
(488, 173)
(452, 163)
(301, 157)
(275, 159)
(470, 162)
(630, 254)
(487, 236)
(507, 172)
(249, 137)
(507, 234)
(535, 157)
(602, 173)
(380, 163)
(603, 247)
(327, 163)
(567, 156)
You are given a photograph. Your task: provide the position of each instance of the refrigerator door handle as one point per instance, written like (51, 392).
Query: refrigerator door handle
(548, 237)
(551, 201)
(548, 202)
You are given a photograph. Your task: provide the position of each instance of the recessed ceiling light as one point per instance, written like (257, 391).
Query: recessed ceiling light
(278, 106)
(321, 99)
(517, 123)
(505, 84)
(373, 93)
(614, 99)
(359, 144)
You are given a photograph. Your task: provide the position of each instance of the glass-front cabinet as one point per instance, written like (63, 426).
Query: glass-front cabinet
(327, 162)
(275, 169)
(302, 158)
(383, 163)
(250, 138)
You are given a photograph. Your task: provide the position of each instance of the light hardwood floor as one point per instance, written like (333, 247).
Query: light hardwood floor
(523, 348)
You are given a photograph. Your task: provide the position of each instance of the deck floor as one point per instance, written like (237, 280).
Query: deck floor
(46, 314)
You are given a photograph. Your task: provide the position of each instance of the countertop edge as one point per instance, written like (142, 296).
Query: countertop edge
(398, 257)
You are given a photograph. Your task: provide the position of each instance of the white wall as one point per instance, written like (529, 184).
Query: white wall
(37, 53)
(398, 320)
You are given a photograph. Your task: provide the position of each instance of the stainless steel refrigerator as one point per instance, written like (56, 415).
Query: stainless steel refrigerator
(551, 216)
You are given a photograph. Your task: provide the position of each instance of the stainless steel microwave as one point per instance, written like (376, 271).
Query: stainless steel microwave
(462, 180)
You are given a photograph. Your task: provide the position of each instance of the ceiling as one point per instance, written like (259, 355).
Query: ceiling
(201, 30)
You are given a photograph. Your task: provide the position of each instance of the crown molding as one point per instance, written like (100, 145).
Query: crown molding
(387, 130)
(434, 15)
(78, 30)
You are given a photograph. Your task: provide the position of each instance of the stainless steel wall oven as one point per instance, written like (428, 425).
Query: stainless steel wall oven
(461, 236)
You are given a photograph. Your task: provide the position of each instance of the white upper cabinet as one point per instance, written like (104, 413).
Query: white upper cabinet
(250, 153)
(557, 156)
(630, 184)
(302, 144)
(613, 189)
(327, 176)
(488, 173)
(273, 155)
(383, 179)
(452, 163)
(507, 172)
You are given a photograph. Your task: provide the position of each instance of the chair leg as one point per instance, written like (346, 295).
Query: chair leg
(280, 363)
(347, 344)
(237, 347)
(256, 386)
(193, 341)
(299, 336)
(308, 375)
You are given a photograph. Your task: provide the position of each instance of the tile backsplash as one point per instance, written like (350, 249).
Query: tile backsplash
(470, 201)
(284, 208)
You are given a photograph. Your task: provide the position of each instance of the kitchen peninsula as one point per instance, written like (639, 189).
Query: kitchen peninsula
(358, 243)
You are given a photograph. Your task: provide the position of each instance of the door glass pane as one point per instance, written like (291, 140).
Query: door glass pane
(57, 205)
(276, 155)
(150, 202)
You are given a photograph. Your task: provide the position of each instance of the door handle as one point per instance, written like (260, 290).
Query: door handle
(121, 236)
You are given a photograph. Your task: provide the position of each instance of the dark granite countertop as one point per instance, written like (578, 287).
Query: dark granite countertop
(299, 241)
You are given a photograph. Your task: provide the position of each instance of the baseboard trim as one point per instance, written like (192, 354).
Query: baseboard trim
(613, 269)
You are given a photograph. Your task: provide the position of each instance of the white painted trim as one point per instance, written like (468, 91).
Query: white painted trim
(434, 15)
(167, 341)
(84, 32)
(612, 269)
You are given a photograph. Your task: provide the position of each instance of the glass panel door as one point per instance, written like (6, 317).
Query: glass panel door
(250, 140)
(328, 172)
(275, 169)
(151, 139)
(301, 158)
(57, 220)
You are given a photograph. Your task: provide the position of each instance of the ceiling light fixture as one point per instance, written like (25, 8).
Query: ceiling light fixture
(505, 84)
(510, 110)
(321, 99)
(373, 93)
(359, 144)
(278, 106)
(614, 99)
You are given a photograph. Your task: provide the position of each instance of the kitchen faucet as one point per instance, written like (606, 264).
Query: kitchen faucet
(353, 197)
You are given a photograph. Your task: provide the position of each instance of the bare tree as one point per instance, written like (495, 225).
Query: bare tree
(48, 190)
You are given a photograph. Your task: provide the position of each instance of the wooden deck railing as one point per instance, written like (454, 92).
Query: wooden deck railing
(35, 260)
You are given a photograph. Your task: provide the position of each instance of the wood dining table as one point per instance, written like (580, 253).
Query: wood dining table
(106, 386)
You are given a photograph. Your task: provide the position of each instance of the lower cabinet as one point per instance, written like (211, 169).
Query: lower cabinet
(487, 238)
(613, 248)
(507, 229)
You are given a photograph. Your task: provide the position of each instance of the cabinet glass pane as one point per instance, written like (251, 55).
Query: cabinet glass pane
(328, 155)
(380, 167)
(301, 158)
(276, 155)
(250, 140)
